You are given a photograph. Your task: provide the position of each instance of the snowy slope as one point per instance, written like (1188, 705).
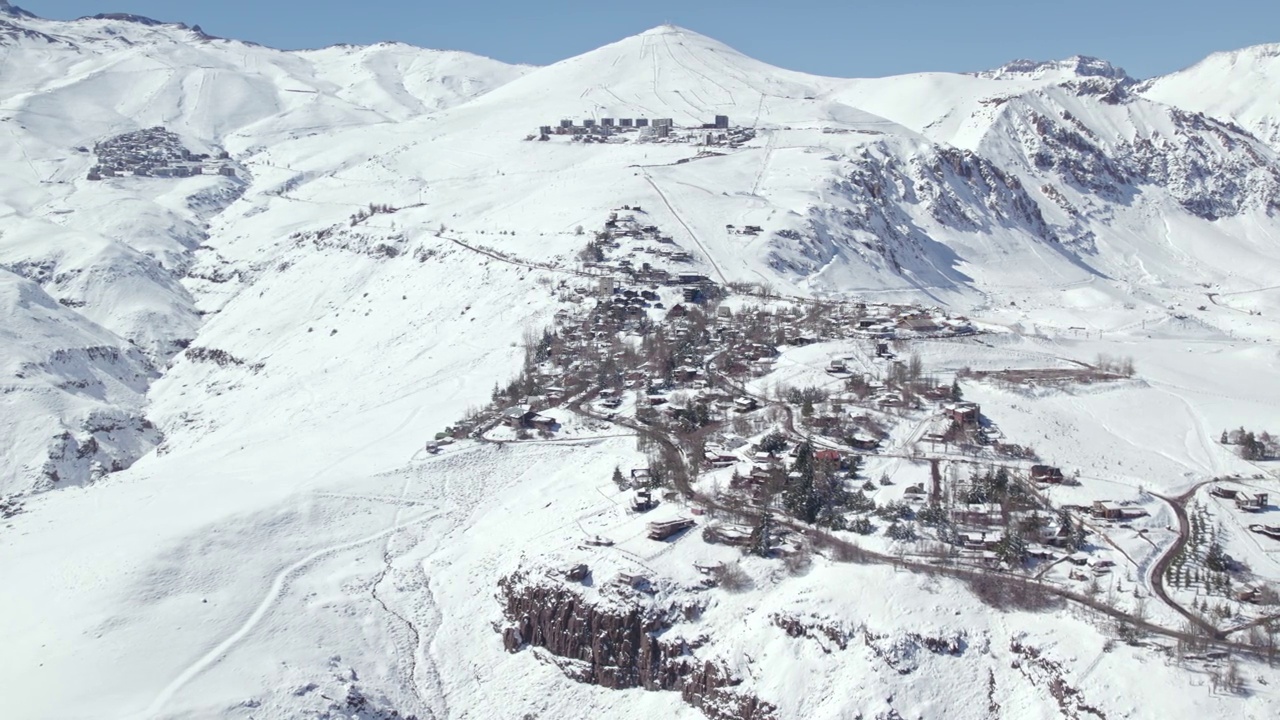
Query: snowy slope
(268, 363)
(116, 251)
(1241, 86)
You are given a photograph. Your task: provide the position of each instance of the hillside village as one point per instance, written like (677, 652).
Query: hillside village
(453, 388)
(878, 453)
(154, 152)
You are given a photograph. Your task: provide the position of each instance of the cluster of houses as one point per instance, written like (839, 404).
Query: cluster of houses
(1246, 502)
(154, 152)
(611, 129)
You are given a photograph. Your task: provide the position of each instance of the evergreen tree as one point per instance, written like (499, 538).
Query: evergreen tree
(956, 394)
(762, 536)
(800, 498)
(618, 479)
(1012, 549)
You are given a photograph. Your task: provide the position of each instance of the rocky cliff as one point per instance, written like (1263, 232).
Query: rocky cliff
(614, 637)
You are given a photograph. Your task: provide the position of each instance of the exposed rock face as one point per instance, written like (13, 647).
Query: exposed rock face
(616, 642)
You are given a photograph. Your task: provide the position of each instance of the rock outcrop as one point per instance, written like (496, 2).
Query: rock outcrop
(614, 639)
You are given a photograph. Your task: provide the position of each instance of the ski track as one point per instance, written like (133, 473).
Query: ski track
(268, 601)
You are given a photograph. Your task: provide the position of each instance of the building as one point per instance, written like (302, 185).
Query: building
(963, 413)
(566, 124)
(1046, 474)
(588, 123)
(978, 514)
(517, 416)
(606, 122)
(1256, 502)
(668, 528)
(722, 122)
(1115, 511)
(920, 324)
(625, 122)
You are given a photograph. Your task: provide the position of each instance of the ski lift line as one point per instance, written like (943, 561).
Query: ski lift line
(704, 76)
(694, 237)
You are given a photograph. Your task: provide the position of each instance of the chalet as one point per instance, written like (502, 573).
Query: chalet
(667, 528)
(1256, 502)
(632, 581)
(837, 366)
(518, 416)
(546, 423)
(919, 324)
(640, 476)
(980, 540)
(890, 399)
(978, 514)
(1271, 531)
(863, 441)
(686, 373)
(1046, 474)
(643, 501)
(1115, 511)
(829, 456)
(1223, 492)
(745, 404)
(962, 413)
(718, 457)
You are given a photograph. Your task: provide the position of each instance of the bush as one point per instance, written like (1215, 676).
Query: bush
(733, 578)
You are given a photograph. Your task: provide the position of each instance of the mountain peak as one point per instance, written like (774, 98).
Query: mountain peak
(1074, 66)
(13, 10)
(131, 18)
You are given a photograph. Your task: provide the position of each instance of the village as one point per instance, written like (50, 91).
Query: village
(154, 152)
(874, 456)
(718, 132)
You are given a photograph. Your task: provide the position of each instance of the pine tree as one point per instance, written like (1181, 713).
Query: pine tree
(618, 479)
(956, 394)
(800, 498)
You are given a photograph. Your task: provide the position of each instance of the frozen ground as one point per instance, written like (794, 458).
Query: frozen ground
(282, 534)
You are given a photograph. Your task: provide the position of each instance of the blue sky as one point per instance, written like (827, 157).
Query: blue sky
(848, 38)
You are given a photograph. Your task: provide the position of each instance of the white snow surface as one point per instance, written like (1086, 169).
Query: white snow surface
(274, 530)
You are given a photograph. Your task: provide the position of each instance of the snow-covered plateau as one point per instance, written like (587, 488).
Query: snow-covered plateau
(374, 382)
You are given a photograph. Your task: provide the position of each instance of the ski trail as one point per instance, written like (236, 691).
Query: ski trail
(686, 227)
(273, 593)
(764, 164)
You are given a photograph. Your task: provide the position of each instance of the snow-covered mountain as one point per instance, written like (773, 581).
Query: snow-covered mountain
(116, 252)
(1239, 86)
(240, 365)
